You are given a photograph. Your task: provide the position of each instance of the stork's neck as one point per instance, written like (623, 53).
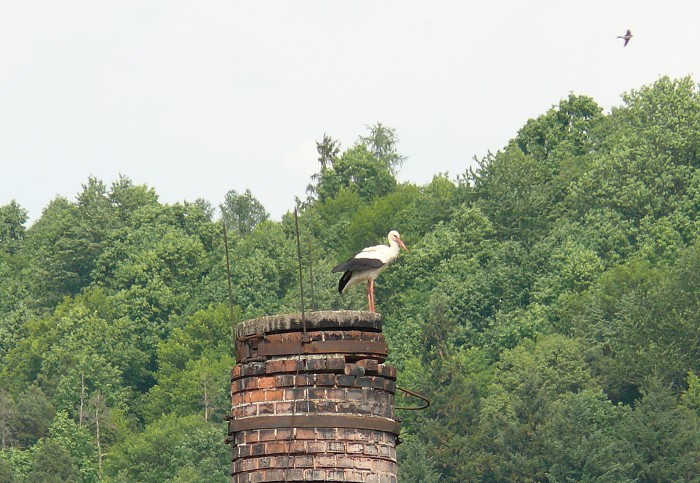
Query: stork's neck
(393, 249)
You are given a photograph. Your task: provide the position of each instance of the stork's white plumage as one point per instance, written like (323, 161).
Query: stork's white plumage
(366, 265)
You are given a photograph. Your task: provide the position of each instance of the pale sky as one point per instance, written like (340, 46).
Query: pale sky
(195, 98)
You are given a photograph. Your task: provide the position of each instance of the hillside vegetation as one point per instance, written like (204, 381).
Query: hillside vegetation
(549, 306)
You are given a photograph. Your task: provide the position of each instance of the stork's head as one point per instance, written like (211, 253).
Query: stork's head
(394, 237)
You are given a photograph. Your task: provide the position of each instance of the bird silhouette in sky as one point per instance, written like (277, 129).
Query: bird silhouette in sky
(627, 37)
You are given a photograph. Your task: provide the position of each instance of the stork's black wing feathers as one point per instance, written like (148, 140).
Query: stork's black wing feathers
(344, 281)
(358, 264)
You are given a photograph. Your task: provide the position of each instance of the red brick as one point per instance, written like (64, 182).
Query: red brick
(276, 447)
(304, 379)
(295, 394)
(267, 435)
(255, 396)
(274, 366)
(236, 372)
(266, 382)
(274, 395)
(251, 436)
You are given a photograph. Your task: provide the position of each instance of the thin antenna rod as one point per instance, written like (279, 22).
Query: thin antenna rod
(228, 277)
(311, 274)
(301, 277)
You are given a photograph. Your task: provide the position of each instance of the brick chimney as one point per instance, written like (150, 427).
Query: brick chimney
(315, 405)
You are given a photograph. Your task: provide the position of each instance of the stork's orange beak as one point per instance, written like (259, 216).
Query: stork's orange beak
(402, 245)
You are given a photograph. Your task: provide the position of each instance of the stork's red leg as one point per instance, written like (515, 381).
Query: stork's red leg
(371, 293)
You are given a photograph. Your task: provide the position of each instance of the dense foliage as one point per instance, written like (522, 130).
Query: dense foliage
(549, 306)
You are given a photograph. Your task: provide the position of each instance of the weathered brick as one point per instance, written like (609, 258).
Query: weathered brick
(355, 394)
(371, 449)
(253, 369)
(344, 380)
(325, 460)
(363, 381)
(315, 364)
(257, 449)
(316, 447)
(354, 370)
(326, 433)
(379, 383)
(370, 365)
(355, 448)
(325, 379)
(315, 475)
(335, 363)
(304, 461)
(326, 406)
(243, 450)
(356, 476)
(249, 464)
(318, 393)
(284, 380)
(335, 447)
(302, 406)
(284, 407)
(335, 475)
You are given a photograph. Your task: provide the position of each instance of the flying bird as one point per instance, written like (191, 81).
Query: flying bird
(366, 265)
(627, 37)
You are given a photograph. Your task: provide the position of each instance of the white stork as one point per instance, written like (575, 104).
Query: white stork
(366, 265)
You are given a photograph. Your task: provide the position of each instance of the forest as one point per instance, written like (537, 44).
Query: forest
(549, 306)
